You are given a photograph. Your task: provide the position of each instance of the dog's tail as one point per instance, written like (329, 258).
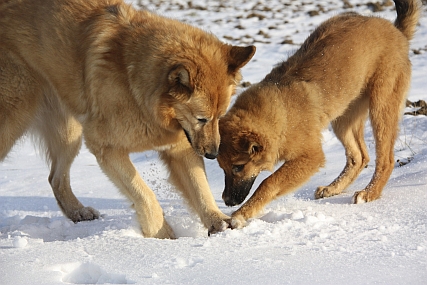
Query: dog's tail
(408, 13)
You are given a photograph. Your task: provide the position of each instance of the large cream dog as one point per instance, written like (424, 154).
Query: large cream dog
(127, 80)
(350, 67)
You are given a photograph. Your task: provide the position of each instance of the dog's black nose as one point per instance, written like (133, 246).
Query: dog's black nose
(228, 201)
(211, 155)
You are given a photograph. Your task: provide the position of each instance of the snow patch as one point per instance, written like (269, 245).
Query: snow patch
(299, 240)
(19, 242)
(90, 273)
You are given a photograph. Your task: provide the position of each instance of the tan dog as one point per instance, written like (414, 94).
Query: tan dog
(349, 67)
(129, 81)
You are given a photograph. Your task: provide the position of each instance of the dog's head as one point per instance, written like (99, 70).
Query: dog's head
(243, 154)
(201, 90)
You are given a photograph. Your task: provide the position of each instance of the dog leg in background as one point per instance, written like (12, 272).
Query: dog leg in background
(62, 139)
(287, 178)
(187, 173)
(23, 106)
(349, 129)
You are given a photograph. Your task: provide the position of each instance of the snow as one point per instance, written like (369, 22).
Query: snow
(297, 240)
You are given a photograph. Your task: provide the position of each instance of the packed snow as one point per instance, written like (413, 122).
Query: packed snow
(296, 240)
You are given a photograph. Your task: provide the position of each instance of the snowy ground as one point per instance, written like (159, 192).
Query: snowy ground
(297, 240)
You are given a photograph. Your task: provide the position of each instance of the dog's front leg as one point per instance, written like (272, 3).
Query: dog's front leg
(284, 180)
(187, 173)
(118, 167)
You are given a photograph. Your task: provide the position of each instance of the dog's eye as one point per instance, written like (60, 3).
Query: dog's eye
(237, 168)
(202, 120)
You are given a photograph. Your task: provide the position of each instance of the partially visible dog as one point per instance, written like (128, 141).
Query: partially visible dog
(129, 81)
(349, 67)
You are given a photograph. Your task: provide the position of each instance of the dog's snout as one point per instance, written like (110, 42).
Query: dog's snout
(227, 200)
(230, 203)
(212, 155)
(235, 192)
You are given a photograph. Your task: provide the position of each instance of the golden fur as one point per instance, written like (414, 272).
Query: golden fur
(350, 67)
(127, 80)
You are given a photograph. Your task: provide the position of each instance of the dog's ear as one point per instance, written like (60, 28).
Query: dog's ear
(251, 143)
(238, 56)
(180, 81)
(254, 148)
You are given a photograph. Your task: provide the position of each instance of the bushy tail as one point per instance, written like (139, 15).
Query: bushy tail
(408, 13)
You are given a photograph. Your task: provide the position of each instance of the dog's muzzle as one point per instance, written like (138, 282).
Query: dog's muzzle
(235, 192)
(209, 155)
(187, 135)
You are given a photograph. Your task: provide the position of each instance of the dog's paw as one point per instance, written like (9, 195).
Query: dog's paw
(321, 192)
(237, 222)
(324, 192)
(84, 214)
(219, 222)
(165, 232)
(222, 227)
(364, 196)
(158, 228)
(360, 197)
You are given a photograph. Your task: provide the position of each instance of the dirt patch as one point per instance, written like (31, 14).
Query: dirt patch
(421, 104)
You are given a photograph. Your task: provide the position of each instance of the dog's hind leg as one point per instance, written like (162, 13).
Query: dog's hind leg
(61, 136)
(349, 129)
(387, 97)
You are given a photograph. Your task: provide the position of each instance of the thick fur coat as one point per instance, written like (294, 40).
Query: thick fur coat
(349, 68)
(126, 80)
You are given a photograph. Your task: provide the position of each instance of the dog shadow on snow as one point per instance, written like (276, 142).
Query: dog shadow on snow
(41, 218)
(306, 191)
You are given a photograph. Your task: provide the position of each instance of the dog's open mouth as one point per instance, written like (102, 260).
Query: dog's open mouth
(187, 135)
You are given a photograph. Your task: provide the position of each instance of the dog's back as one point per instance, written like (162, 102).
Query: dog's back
(344, 53)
